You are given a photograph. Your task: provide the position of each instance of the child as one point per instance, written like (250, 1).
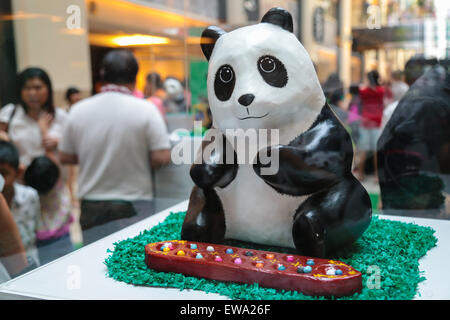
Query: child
(53, 233)
(23, 201)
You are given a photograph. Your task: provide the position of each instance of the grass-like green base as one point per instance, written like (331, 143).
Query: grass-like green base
(387, 255)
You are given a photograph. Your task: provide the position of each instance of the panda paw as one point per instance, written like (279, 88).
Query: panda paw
(208, 176)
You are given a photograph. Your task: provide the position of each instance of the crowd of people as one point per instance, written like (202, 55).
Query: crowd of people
(113, 137)
(365, 112)
(401, 134)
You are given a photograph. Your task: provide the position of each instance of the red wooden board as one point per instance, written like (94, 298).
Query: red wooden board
(310, 276)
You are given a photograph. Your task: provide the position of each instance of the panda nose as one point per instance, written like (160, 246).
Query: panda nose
(246, 99)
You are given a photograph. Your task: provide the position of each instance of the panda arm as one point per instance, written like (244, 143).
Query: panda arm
(314, 161)
(213, 166)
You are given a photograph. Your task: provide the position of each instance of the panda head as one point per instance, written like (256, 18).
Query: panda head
(260, 76)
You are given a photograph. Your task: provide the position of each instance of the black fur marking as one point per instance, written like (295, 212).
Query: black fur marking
(314, 161)
(205, 218)
(273, 71)
(246, 99)
(217, 173)
(318, 163)
(279, 17)
(332, 219)
(224, 82)
(209, 38)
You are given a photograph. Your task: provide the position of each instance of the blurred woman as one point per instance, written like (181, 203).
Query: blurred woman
(73, 95)
(35, 127)
(354, 113)
(372, 99)
(154, 92)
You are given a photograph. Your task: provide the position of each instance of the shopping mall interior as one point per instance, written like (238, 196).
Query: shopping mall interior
(349, 42)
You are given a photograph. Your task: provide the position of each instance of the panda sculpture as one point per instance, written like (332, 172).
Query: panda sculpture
(261, 77)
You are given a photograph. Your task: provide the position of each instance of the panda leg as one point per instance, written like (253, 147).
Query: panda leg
(205, 218)
(332, 219)
(308, 231)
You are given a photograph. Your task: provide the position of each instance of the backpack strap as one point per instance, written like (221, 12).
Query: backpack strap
(10, 118)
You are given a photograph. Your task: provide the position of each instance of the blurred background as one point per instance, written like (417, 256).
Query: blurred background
(346, 39)
(68, 38)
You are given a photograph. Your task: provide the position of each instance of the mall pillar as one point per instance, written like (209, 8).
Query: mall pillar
(305, 23)
(345, 42)
(53, 35)
(7, 56)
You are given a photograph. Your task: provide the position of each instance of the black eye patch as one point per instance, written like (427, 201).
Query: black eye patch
(273, 71)
(224, 82)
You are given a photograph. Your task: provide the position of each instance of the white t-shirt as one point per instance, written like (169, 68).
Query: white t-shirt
(26, 134)
(112, 134)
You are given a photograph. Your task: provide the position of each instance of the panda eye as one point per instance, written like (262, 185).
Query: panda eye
(273, 71)
(224, 82)
(267, 64)
(226, 74)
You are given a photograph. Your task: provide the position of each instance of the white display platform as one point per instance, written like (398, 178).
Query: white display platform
(82, 273)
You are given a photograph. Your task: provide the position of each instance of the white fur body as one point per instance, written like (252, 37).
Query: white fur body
(254, 211)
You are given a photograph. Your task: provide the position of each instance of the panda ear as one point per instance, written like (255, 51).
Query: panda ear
(279, 17)
(209, 38)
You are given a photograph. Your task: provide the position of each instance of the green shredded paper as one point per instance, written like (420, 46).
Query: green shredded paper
(387, 255)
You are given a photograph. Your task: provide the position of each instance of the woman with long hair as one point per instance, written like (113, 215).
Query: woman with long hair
(35, 126)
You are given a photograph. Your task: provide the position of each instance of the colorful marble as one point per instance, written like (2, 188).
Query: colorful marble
(331, 272)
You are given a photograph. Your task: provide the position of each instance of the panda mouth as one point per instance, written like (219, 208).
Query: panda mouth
(253, 117)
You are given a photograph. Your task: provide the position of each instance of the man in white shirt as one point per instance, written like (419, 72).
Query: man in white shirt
(116, 139)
